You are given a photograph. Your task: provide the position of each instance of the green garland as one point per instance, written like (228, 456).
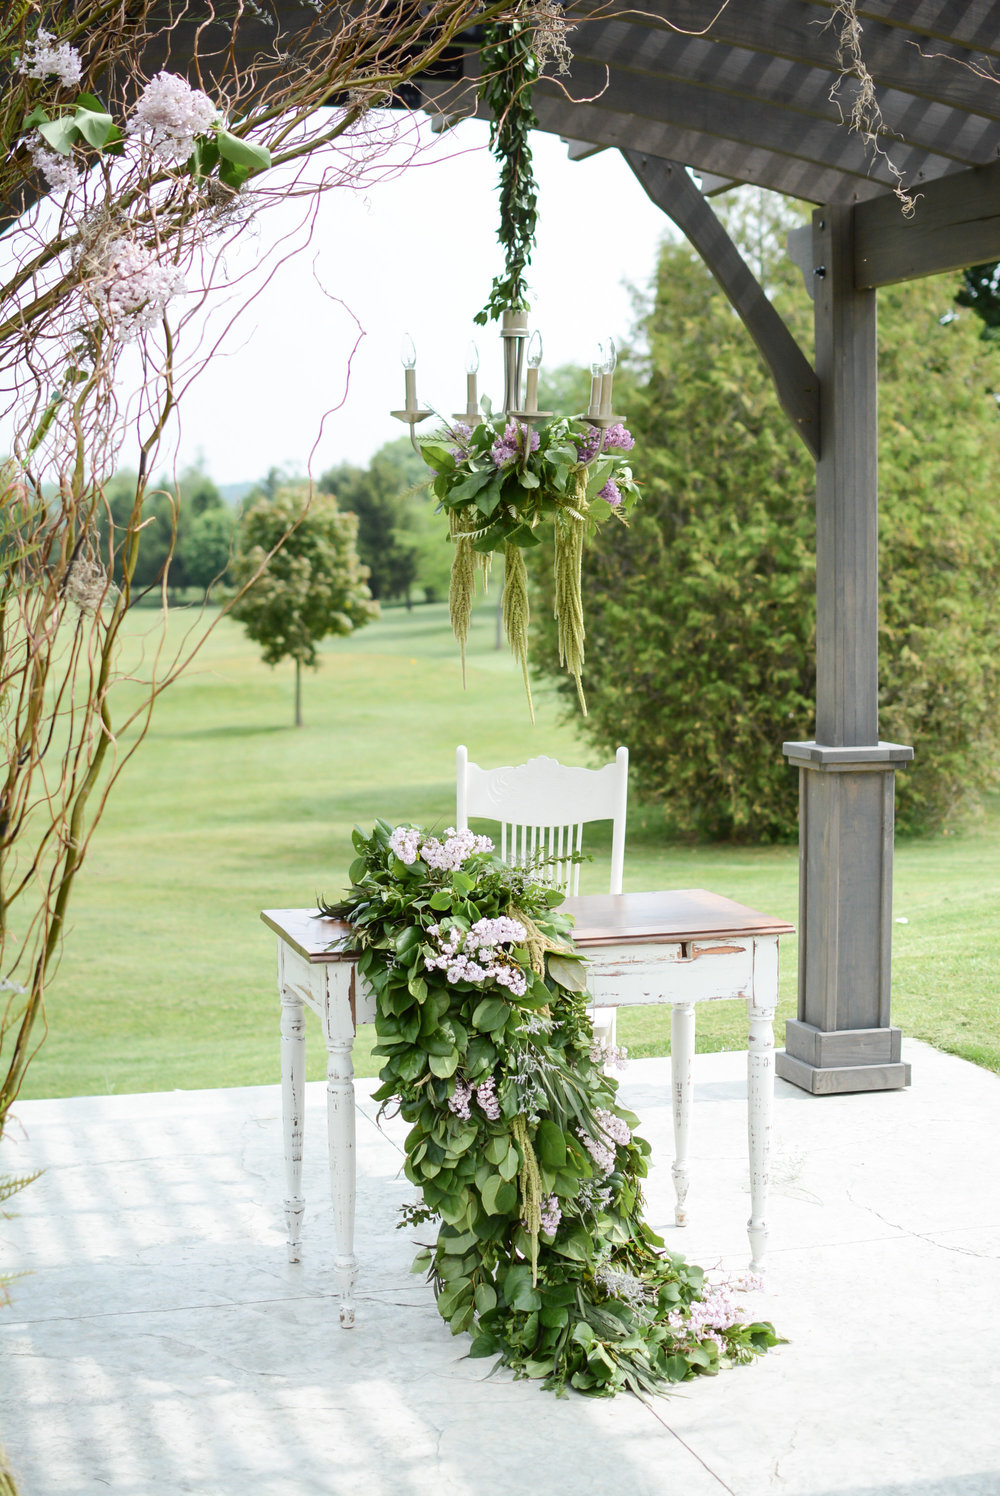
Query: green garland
(517, 1141)
(509, 69)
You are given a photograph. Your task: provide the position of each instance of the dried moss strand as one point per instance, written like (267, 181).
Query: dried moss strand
(516, 613)
(530, 1185)
(462, 586)
(568, 595)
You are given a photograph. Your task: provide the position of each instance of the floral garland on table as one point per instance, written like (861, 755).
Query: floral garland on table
(518, 1142)
(498, 484)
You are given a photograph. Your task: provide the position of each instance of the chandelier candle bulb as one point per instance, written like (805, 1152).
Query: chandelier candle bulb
(595, 382)
(408, 358)
(531, 388)
(608, 377)
(472, 380)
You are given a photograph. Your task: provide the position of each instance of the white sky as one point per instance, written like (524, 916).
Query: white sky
(416, 254)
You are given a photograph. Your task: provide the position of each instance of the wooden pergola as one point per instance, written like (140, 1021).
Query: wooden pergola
(759, 91)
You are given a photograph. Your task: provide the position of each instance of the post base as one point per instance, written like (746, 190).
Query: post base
(838, 1080)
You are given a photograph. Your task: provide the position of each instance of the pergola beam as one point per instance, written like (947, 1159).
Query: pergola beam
(671, 188)
(956, 223)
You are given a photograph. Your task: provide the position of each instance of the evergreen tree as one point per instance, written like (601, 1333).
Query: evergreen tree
(701, 616)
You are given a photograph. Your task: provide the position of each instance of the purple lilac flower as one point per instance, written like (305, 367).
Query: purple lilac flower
(586, 446)
(611, 492)
(551, 1215)
(616, 436)
(511, 444)
(458, 1101)
(459, 433)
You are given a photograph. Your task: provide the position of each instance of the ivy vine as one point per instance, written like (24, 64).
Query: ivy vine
(510, 68)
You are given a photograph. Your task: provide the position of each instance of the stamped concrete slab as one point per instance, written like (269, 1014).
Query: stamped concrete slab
(163, 1344)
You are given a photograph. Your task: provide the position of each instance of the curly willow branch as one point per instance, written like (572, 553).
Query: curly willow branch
(866, 113)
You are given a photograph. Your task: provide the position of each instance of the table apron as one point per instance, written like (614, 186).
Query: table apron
(697, 971)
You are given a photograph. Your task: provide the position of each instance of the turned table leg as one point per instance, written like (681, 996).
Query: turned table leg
(760, 1104)
(293, 1075)
(340, 1124)
(682, 1086)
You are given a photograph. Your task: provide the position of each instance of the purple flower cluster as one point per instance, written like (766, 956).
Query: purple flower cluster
(611, 492)
(461, 1097)
(511, 445)
(459, 433)
(715, 1312)
(477, 955)
(616, 439)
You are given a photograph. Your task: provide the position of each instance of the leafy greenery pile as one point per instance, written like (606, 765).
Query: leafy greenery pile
(510, 67)
(497, 484)
(542, 1254)
(701, 620)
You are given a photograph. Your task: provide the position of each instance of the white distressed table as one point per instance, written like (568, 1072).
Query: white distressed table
(680, 947)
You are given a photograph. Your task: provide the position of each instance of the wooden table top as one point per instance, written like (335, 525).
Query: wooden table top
(669, 915)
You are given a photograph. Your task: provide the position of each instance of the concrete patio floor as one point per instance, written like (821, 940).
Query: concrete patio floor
(162, 1344)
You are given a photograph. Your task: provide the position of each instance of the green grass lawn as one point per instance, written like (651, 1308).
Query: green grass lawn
(167, 980)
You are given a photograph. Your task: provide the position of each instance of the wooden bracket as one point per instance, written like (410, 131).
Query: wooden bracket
(670, 187)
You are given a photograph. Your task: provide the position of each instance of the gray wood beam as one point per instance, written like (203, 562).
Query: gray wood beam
(846, 491)
(671, 188)
(956, 223)
(750, 122)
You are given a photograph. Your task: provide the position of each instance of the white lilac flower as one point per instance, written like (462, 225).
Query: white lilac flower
(457, 847)
(135, 288)
(477, 955)
(59, 172)
(486, 1096)
(603, 1156)
(458, 1101)
(551, 1215)
(716, 1311)
(405, 843)
(169, 115)
(614, 1128)
(611, 1056)
(46, 57)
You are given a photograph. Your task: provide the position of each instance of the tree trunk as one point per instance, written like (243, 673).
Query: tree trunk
(298, 693)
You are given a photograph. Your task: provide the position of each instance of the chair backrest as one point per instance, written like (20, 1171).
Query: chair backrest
(543, 806)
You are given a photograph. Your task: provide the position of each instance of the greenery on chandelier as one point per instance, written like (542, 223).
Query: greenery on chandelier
(510, 67)
(517, 1142)
(498, 484)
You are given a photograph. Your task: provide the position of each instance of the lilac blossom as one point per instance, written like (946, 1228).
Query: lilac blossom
(458, 1101)
(611, 492)
(59, 172)
(46, 58)
(486, 1096)
(459, 433)
(408, 844)
(477, 955)
(716, 1311)
(587, 446)
(603, 1156)
(134, 290)
(511, 444)
(611, 1056)
(170, 114)
(614, 1128)
(619, 438)
(551, 1215)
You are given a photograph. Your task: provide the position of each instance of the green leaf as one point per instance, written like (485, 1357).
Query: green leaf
(483, 1345)
(499, 1196)
(497, 1148)
(491, 1014)
(240, 152)
(570, 974)
(233, 175)
(550, 1144)
(60, 134)
(95, 126)
(486, 1298)
(510, 1163)
(35, 118)
(440, 899)
(518, 1290)
(444, 1065)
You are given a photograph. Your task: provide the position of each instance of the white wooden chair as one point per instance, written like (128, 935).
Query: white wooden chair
(542, 807)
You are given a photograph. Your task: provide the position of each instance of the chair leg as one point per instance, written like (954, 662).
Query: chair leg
(293, 1074)
(682, 1086)
(760, 1104)
(343, 1165)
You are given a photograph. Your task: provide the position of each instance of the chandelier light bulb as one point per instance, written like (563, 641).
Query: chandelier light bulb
(610, 357)
(597, 362)
(472, 359)
(535, 350)
(407, 352)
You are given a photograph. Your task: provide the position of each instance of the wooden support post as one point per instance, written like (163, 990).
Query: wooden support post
(842, 1039)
